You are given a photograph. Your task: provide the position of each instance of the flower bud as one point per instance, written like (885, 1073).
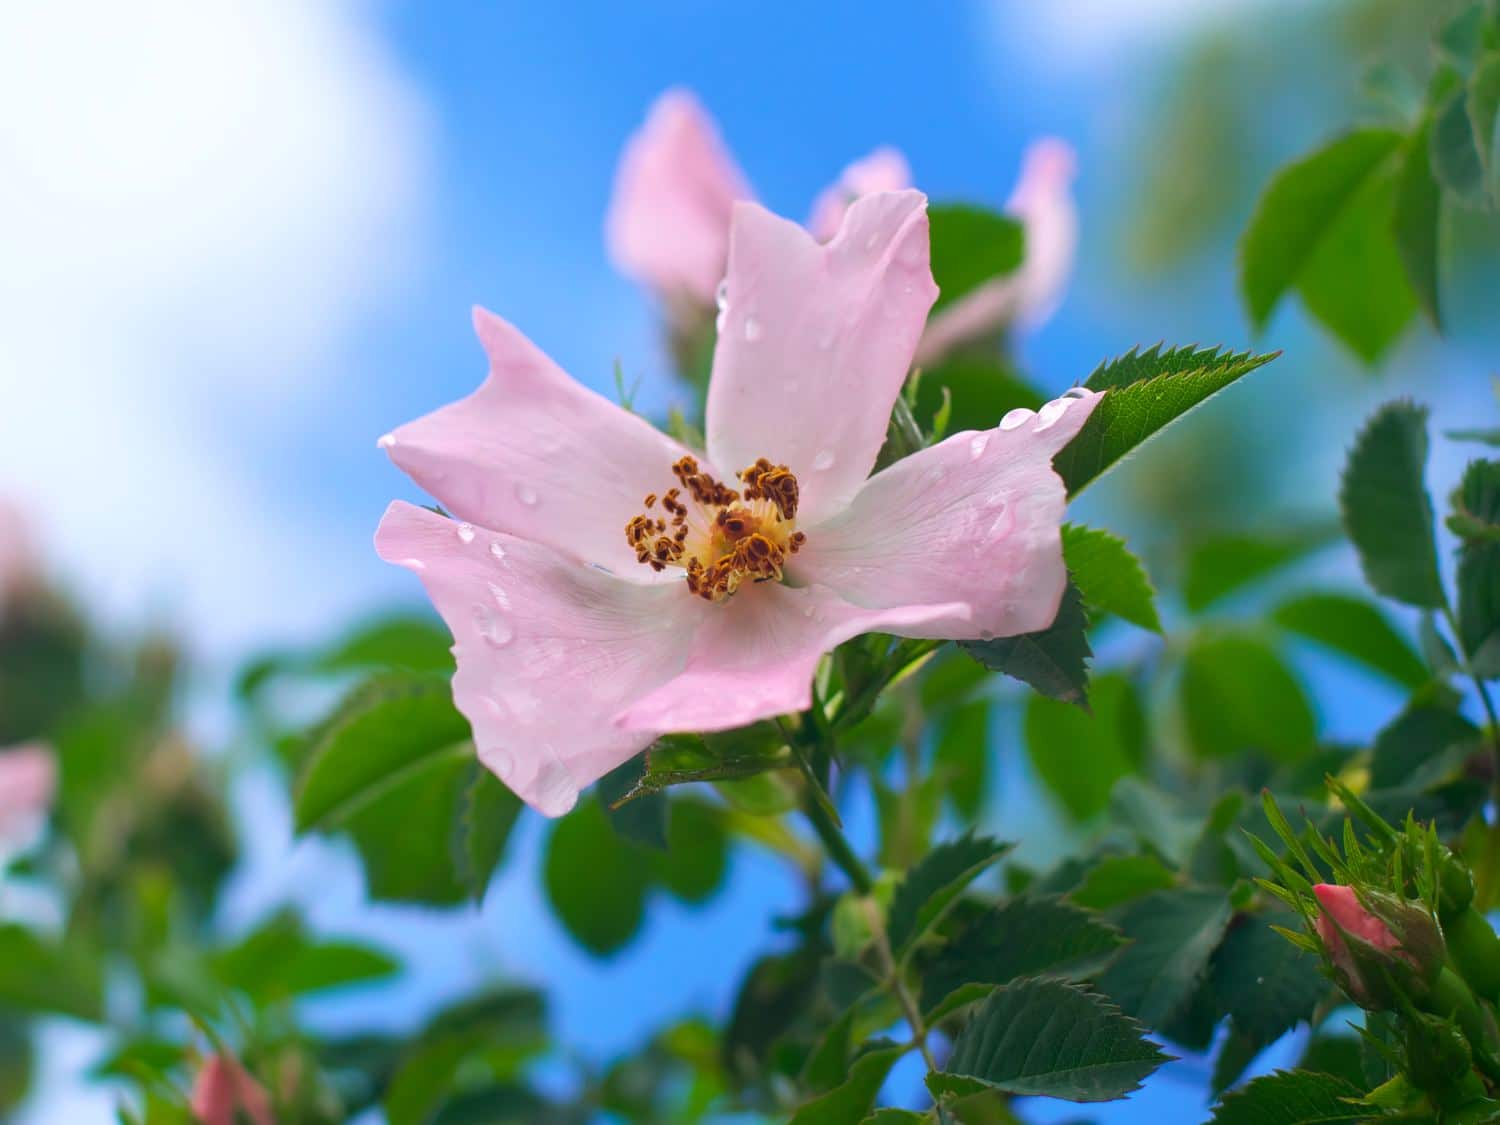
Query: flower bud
(1378, 943)
(225, 1094)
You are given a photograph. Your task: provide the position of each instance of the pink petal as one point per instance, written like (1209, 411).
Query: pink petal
(548, 650)
(535, 454)
(974, 519)
(224, 1093)
(815, 342)
(885, 169)
(668, 223)
(1043, 201)
(1343, 906)
(28, 786)
(754, 656)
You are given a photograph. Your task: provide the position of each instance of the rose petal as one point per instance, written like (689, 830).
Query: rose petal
(885, 169)
(816, 340)
(974, 519)
(668, 223)
(224, 1093)
(28, 785)
(754, 657)
(548, 650)
(538, 455)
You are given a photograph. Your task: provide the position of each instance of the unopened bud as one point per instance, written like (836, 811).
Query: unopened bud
(224, 1093)
(1378, 943)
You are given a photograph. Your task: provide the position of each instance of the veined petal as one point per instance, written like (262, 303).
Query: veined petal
(885, 169)
(974, 519)
(1043, 201)
(755, 656)
(548, 650)
(815, 342)
(538, 455)
(668, 223)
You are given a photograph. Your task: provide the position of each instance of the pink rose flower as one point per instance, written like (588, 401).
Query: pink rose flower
(668, 222)
(605, 585)
(224, 1093)
(28, 784)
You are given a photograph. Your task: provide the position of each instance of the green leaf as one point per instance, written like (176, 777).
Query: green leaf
(1118, 879)
(597, 887)
(1080, 755)
(1130, 413)
(1292, 1097)
(1416, 221)
(961, 756)
(641, 820)
(932, 887)
(1415, 740)
(982, 390)
(1484, 118)
(1455, 155)
(1355, 282)
(1354, 628)
(43, 976)
(1173, 935)
(1461, 37)
(387, 731)
(694, 863)
(1041, 1037)
(681, 759)
(1299, 208)
(1238, 694)
(1386, 509)
(1222, 564)
(1476, 520)
(852, 1100)
(488, 814)
(1021, 938)
(970, 246)
(279, 959)
(1265, 985)
(1054, 661)
(1108, 576)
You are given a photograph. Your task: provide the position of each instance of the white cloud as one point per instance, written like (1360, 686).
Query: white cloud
(199, 201)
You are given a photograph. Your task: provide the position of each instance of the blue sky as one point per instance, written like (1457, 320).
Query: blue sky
(254, 229)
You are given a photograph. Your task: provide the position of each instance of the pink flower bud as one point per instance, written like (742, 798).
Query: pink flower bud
(1377, 944)
(28, 783)
(224, 1094)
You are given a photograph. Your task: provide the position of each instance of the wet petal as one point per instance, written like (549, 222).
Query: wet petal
(885, 169)
(816, 340)
(754, 656)
(974, 519)
(538, 455)
(668, 223)
(1043, 201)
(548, 650)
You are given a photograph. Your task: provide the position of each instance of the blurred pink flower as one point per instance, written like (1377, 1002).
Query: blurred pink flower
(597, 602)
(19, 566)
(224, 1093)
(1043, 202)
(668, 222)
(28, 785)
(1343, 920)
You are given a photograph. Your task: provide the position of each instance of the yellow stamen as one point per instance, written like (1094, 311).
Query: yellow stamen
(718, 536)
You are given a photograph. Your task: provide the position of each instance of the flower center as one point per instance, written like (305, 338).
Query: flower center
(719, 536)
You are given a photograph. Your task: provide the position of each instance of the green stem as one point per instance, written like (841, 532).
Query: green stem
(897, 983)
(1484, 700)
(837, 847)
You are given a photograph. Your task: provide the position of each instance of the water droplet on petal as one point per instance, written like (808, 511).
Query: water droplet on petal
(823, 461)
(1076, 392)
(466, 533)
(1049, 414)
(386, 441)
(492, 626)
(1017, 417)
(412, 564)
(752, 330)
(721, 300)
(977, 444)
(497, 550)
(526, 494)
(554, 792)
(502, 599)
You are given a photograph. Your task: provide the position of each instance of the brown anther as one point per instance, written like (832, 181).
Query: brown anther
(650, 499)
(776, 483)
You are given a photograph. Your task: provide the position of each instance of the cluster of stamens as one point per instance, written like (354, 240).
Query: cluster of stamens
(720, 536)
